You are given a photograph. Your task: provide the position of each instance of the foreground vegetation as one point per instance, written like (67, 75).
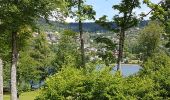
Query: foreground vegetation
(24, 96)
(151, 83)
(75, 66)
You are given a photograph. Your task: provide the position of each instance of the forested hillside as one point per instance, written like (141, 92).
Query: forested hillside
(90, 27)
(112, 50)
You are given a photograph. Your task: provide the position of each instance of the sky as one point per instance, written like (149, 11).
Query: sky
(104, 7)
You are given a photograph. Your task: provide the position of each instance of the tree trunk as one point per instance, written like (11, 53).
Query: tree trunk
(14, 67)
(1, 80)
(81, 36)
(120, 51)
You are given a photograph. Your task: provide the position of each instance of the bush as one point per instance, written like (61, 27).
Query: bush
(75, 84)
(152, 83)
(157, 68)
(140, 88)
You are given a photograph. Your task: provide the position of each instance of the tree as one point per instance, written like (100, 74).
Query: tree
(149, 39)
(4, 59)
(1, 80)
(16, 14)
(81, 34)
(35, 59)
(161, 13)
(106, 50)
(125, 20)
(83, 12)
(66, 51)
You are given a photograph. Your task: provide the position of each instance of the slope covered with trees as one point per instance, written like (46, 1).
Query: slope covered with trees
(76, 61)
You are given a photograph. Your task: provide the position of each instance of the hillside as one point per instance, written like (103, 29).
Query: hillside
(90, 27)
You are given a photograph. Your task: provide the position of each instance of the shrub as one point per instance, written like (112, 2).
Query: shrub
(152, 83)
(76, 84)
(157, 68)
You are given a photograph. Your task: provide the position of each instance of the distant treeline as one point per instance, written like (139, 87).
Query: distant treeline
(90, 27)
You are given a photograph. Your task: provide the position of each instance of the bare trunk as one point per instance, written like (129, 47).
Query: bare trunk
(121, 46)
(14, 67)
(82, 45)
(1, 80)
(81, 37)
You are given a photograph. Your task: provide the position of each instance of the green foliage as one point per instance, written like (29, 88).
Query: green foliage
(23, 12)
(149, 39)
(34, 61)
(152, 83)
(161, 12)
(123, 21)
(66, 51)
(24, 87)
(41, 50)
(4, 50)
(19, 16)
(106, 50)
(84, 11)
(90, 83)
(69, 33)
(71, 84)
(158, 11)
(109, 43)
(27, 68)
(156, 62)
(6, 74)
(138, 88)
(106, 24)
(157, 68)
(128, 19)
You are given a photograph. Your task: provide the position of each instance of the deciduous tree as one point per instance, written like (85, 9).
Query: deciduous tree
(16, 14)
(1, 80)
(149, 39)
(161, 13)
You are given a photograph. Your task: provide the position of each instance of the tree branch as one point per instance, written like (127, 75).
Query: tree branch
(151, 10)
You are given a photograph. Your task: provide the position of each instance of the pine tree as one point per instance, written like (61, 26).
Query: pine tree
(124, 20)
(83, 12)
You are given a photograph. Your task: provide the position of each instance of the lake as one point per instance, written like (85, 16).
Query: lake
(129, 69)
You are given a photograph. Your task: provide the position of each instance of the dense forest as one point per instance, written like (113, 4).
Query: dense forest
(43, 57)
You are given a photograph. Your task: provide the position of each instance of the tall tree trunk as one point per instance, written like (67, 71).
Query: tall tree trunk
(14, 67)
(81, 36)
(120, 51)
(1, 80)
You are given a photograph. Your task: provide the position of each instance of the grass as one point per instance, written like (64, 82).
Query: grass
(24, 96)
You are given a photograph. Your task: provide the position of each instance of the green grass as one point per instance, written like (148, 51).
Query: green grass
(24, 96)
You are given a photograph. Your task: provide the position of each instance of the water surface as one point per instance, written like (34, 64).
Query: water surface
(129, 69)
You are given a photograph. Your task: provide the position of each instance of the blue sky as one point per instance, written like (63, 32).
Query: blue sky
(104, 7)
